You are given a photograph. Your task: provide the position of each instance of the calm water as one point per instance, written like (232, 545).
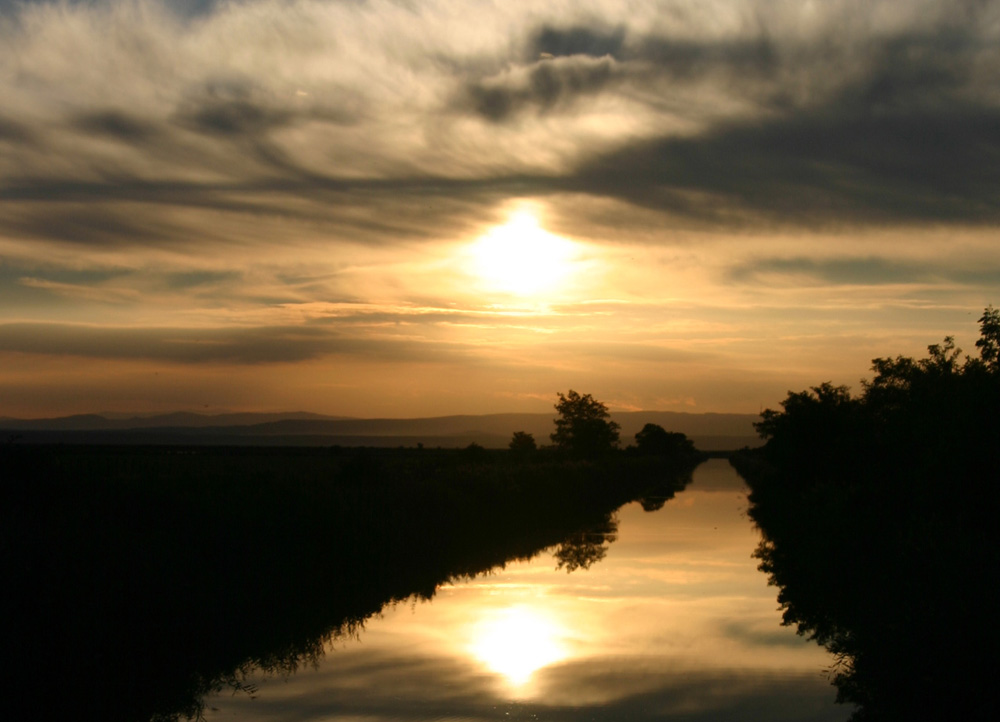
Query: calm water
(675, 623)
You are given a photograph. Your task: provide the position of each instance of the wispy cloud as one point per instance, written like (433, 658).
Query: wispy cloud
(781, 116)
(76, 290)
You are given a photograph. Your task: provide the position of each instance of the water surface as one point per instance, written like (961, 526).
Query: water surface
(675, 623)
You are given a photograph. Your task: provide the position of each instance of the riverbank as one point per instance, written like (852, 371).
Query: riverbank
(171, 569)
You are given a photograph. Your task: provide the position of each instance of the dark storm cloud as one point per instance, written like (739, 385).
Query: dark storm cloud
(913, 71)
(911, 138)
(576, 40)
(229, 108)
(898, 128)
(675, 57)
(98, 224)
(116, 124)
(12, 131)
(234, 345)
(232, 108)
(548, 84)
(819, 168)
(680, 58)
(591, 60)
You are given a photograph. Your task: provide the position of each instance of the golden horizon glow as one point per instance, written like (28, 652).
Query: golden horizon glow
(516, 642)
(521, 258)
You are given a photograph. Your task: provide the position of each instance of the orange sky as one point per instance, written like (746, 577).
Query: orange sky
(381, 209)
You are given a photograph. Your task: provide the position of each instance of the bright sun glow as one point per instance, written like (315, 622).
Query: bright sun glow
(516, 642)
(521, 258)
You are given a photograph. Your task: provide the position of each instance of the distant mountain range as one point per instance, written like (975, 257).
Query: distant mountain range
(708, 431)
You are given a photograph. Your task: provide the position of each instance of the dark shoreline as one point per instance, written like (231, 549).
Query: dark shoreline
(143, 577)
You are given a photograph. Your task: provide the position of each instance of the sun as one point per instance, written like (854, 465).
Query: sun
(521, 258)
(516, 642)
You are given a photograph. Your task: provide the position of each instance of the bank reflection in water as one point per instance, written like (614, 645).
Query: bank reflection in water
(675, 622)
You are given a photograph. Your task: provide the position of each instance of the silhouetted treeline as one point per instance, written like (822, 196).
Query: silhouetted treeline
(879, 518)
(138, 579)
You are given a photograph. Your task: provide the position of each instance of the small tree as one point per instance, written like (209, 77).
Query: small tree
(522, 444)
(583, 426)
(654, 440)
(474, 453)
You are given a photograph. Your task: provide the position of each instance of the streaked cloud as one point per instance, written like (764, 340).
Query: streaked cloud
(853, 271)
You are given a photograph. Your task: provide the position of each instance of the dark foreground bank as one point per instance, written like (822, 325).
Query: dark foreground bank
(879, 519)
(138, 579)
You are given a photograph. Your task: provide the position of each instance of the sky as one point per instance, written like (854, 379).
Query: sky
(435, 207)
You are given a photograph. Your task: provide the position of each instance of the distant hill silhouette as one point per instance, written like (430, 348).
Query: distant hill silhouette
(708, 431)
(180, 419)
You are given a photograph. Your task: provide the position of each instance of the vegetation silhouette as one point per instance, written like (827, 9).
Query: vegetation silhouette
(585, 548)
(523, 444)
(673, 448)
(878, 516)
(140, 579)
(583, 427)
(654, 440)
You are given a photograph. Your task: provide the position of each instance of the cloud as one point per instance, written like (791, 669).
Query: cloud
(549, 84)
(12, 132)
(229, 345)
(816, 170)
(234, 108)
(897, 127)
(92, 224)
(116, 124)
(82, 291)
(595, 41)
(758, 116)
(679, 58)
(864, 271)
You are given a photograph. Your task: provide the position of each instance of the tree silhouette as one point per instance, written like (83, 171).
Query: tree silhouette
(654, 440)
(583, 427)
(585, 548)
(522, 444)
(989, 340)
(878, 516)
